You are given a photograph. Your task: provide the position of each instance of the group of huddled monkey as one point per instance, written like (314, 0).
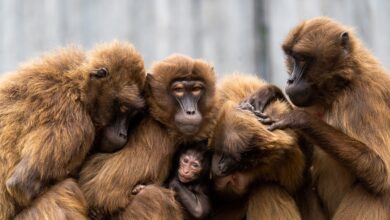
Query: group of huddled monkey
(91, 135)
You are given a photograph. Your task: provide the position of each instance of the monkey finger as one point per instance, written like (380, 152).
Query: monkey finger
(260, 114)
(137, 189)
(246, 106)
(266, 121)
(277, 125)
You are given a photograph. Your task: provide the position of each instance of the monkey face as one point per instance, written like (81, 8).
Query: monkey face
(116, 77)
(190, 166)
(237, 141)
(314, 62)
(235, 184)
(187, 93)
(180, 92)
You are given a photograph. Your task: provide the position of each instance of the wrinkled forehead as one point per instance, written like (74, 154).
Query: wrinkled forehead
(191, 154)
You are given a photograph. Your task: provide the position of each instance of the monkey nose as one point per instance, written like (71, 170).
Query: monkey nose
(123, 135)
(190, 112)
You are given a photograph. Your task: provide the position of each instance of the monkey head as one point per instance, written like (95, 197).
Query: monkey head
(190, 166)
(245, 152)
(116, 77)
(318, 60)
(193, 165)
(181, 93)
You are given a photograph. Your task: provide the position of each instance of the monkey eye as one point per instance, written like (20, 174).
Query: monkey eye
(196, 90)
(178, 90)
(195, 165)
(299, 58)
(185, 160)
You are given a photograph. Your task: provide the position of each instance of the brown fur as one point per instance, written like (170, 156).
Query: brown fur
(108, 179)
(153, 209)
(49, 111)
(283, 162)
(352, 167)
(272, 202)
(161, 106)
(62, 201)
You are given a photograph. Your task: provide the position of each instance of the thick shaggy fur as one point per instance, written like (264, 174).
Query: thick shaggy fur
(49, 110)
(281, 163)
(162, 107)
(108, 179)
(62, 201)
(157, 203)
(352, 170)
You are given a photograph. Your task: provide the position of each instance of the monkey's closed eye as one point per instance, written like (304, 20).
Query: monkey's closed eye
(196, 90)
(178, 89)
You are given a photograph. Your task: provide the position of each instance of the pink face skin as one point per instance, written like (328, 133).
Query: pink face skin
(237, 182)
(189, 168)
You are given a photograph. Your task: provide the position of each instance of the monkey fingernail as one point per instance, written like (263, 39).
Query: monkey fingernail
(260, 114)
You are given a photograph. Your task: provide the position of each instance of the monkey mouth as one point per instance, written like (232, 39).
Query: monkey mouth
(188, 129)
(184, 179)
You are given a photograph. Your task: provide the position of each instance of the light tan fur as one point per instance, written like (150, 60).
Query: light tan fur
(108, 179)
(49, 110)
(284, 162)
(62, 201)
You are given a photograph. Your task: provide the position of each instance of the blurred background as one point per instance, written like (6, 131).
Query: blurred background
(234, 35)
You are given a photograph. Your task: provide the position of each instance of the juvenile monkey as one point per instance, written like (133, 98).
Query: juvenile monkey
(190, 179)
(180, 94)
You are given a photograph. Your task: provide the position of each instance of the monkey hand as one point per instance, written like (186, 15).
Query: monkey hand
(96, 214)
(295, 119)
(24, 184)
(174, 184)
(259, 100)
(137, 189)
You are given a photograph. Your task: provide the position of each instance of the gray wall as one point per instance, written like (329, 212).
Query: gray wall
(235, 35)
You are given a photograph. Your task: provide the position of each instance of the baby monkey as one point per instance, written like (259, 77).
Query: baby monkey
(190, 179)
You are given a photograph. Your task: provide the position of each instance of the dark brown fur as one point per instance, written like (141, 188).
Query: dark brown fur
(49, 111)
(351, 165)
(108, 179)
(279, 172)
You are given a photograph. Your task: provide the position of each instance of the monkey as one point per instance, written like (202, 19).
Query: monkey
(256, 172)
(180, 98)
(342, 106)
(190, 179)
(50, 110)
(63, 200)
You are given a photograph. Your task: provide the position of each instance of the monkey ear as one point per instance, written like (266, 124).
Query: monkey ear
(344, 40)
(99, 73)
(149, 78)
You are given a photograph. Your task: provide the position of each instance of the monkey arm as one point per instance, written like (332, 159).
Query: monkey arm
(260, 99)
(368, 166)
(50, 152)
(196, 203)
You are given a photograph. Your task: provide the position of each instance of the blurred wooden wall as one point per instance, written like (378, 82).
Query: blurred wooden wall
(235, 35)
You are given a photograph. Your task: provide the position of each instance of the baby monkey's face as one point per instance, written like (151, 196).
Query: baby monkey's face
(190, 166)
